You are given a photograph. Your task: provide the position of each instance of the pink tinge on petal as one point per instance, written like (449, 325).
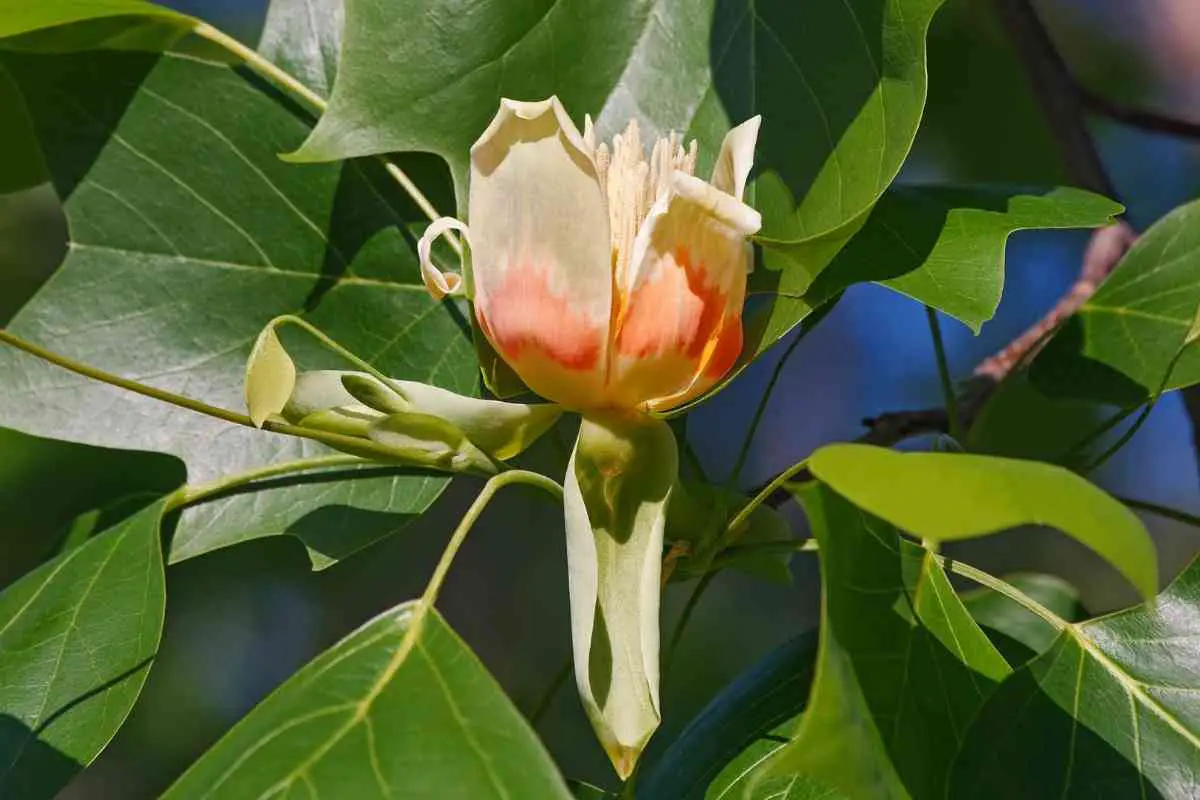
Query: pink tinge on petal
(523, 317)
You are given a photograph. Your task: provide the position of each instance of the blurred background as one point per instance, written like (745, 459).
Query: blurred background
(239, 621)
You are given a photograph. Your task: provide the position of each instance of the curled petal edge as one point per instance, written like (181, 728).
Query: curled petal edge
(440, 284)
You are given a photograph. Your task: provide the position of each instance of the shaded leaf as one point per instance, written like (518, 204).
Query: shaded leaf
(950, 496)
(726, 738)
(901, 669)
(399, 708)
(1110, 711)
(1121, 346)
(940, 246)
(45, 485)
(187, 235)
(77, 638)
(1018, 632)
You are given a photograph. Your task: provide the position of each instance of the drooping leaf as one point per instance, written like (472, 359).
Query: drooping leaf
(1016, 631)
(734, 723)
(77, 638)
(19, 16)
(1110, 711)
(399, 708)
(901, 668)
(187, 235)
(940, 246)
(1122, 344)
(950, 496)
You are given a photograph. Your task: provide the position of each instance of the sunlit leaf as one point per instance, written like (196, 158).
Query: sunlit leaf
(77, 638)
(1017, 632)
(392, 710)
(1122, 344)
(187, 235)
(1110, 711)
(950, 496)
(901, 669)
(21, 16)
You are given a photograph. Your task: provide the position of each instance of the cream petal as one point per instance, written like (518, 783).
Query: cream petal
(541, 261)
(437, 282)
(678, 328)
(736, 158)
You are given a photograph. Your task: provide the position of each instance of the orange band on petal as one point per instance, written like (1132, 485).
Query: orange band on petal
(524, 313)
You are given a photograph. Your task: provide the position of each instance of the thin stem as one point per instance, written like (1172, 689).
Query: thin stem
(189, 495)
(289, 84)
(494, 484)
(943, 366)
(325, 339)
(685, 616)
(337, 440)
(547, 698)
(1123, 440)
(1002, 587)
(1162, 511)
(763, 402)
(124, 383)
(760, 498)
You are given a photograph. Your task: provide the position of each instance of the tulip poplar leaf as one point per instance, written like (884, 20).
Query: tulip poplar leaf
(1109, 710)
(941, 246)
(953, 496)
(21, 16)
(399, 708)
(901, 666)
(77, 638)
(1135, 335)
(187, 234)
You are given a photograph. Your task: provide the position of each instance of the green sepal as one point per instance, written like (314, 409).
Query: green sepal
(430, 441)
(616, 491)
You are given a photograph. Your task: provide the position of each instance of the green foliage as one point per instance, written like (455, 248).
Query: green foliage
(184, 234)
(889, 697)
(77, 638)
(399, 708)
(1131, 339)
(1110, 709)
(188, 235)
(948, 497)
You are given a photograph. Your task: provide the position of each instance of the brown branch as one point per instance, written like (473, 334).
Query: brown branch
(1138, 117)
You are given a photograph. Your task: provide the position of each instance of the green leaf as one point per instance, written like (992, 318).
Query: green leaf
(77, 638)
(901, 669)
(453, 68)
(1122, 344)
(45, 485)
(399, 708)
(19, 16)
(187, 235)
(1019, 421)
(940, 246)
(616, 492)
(730, 729)
(1018, 632)
(1110, 711)
(304, 38)
(950, 496)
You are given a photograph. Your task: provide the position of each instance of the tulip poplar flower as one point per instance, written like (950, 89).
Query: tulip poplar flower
(612, 283)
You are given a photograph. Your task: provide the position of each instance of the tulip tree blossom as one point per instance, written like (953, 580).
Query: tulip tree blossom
(612, 282)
